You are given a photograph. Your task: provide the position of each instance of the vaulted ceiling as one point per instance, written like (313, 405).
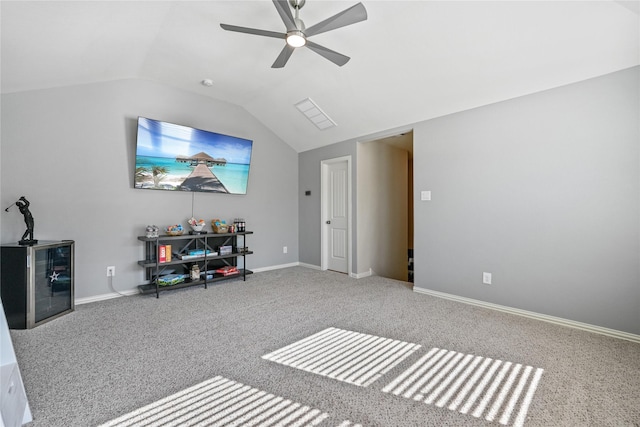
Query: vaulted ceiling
(410, 60)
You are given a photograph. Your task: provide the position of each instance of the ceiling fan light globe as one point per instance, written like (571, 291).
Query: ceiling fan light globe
(296, 39)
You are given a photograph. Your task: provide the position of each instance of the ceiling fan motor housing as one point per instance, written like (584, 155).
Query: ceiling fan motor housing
(299, 23)
(297, 4)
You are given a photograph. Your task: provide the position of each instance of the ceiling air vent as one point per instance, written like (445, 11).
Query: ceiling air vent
(315, 114)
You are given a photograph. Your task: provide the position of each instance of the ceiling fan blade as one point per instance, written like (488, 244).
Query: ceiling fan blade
(282, 6)
(284, 56)
(349, 16)
(253, 31)
(335, 57)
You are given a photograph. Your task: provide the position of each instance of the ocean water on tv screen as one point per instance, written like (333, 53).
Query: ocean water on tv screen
(234, 176)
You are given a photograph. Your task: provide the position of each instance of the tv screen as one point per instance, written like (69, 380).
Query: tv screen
(180, 158)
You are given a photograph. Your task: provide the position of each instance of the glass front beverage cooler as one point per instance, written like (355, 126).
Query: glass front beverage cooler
(37, 282)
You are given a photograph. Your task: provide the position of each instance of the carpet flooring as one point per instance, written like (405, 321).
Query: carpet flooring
(221, 401)
(327, 350)
(348, 356)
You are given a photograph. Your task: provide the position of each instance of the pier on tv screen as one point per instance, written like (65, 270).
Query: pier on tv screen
(181, 158)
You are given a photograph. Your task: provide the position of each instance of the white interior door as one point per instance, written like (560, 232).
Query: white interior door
(336, 215)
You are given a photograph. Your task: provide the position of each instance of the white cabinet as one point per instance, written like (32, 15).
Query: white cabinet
(13, 398)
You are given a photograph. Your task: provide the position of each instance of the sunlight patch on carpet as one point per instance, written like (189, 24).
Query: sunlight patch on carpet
(221, 402)
(483, 387)
(347, 356)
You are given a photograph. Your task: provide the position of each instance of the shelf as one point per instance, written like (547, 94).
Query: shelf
(152, 263)
(150, 288)
(184, 236)
(182, 245)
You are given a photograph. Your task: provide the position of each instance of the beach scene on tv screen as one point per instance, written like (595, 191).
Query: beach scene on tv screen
(175, 157)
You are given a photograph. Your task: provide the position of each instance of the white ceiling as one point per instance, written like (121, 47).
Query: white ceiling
(411, 60)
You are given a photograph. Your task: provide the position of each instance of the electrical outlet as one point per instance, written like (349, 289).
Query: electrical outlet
(486, 278)
(284, 249)
(111, 271)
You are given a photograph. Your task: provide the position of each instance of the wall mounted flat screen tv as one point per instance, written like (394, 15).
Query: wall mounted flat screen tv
(181, 158)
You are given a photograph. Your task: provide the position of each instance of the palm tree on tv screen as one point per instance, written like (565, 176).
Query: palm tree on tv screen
(159, 173)
(142, 173)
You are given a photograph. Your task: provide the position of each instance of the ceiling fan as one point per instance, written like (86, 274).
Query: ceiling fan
(297, 34)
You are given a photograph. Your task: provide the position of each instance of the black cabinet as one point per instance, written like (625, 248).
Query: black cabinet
(37, 282)
(214, 256)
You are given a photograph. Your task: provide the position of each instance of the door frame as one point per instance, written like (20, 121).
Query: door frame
(324, 197)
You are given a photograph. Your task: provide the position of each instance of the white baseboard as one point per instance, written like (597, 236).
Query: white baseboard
(87, 300)
(275, 267)
(311, 266)
(314, 267)
(353, 275)
(362, 275)
(533, 315)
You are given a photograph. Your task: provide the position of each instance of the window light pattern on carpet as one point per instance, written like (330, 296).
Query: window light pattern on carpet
(221, 402)
(483, 387)
(347, 356)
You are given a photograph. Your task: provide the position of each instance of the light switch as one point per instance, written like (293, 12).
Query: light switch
(425, 195)
(486, 278)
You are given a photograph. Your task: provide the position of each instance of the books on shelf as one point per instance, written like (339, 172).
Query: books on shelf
(164, 253)
(208, 275)
(188, 256)
(171, 279)
(227, 271)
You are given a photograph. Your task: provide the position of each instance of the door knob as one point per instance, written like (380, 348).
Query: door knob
(328, 222)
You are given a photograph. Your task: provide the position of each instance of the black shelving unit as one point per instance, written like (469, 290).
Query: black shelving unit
(180, 246)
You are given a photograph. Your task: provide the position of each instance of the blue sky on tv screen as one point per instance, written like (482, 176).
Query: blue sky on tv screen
(162, 139)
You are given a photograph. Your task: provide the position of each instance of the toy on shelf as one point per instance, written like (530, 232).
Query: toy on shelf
(197, 224)
(152, 231)
(174, 230)
(219, 226)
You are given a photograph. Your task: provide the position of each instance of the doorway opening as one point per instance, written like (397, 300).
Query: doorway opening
(385, 206)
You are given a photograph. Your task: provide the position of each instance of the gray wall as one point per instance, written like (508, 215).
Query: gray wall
(543, 192)
(71, 152)
(309, 206)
